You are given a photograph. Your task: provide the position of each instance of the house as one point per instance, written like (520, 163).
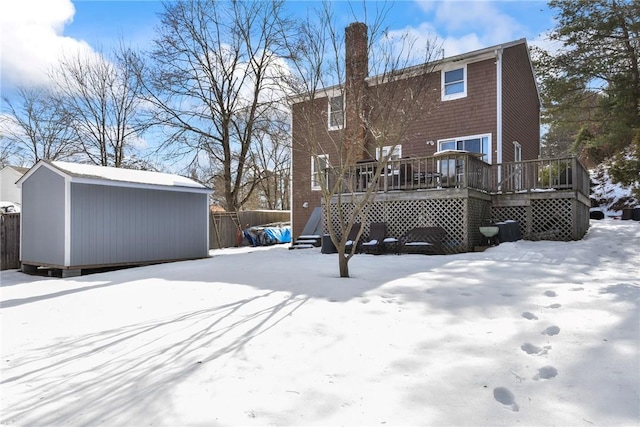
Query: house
(478, 117)
(9, 191)
(78, 216)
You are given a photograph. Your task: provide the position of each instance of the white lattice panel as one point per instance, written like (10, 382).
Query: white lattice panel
(403, 215)
(540, 219)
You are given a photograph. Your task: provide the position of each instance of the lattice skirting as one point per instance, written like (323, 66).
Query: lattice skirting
(462, 213)
(561, 219)
(459, 216)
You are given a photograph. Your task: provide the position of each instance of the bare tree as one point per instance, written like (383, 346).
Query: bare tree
(271, 160)
(383, 80)
(101, 96)
(36, 126)
(8, 152)
(215, 80)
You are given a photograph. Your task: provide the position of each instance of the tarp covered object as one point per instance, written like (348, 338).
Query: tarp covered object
(264, 236)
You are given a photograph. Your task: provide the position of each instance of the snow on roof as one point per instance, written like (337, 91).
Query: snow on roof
(124, 175)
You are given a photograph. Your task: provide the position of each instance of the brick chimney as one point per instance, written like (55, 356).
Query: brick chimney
(356, 71)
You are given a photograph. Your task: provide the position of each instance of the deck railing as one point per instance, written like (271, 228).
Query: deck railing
(541, 175)
(467, 170)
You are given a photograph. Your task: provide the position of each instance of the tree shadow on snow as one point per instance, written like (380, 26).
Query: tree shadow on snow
(137, 365)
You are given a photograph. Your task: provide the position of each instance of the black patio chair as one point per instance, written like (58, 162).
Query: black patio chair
(378, 242)
(351, 238)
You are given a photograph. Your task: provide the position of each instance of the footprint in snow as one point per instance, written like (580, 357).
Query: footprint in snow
(504, 396)
(554, 306)
(529, 316)
(551, 330)
(551, 294)
(534, 349)
(577, 289)
(545, 373)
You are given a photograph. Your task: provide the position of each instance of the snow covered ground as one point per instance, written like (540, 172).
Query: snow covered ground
(525, 333)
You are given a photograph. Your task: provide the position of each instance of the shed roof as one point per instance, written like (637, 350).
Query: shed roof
(78, 172)
(18, 169)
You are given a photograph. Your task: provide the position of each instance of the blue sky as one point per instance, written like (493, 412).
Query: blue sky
(35, 32)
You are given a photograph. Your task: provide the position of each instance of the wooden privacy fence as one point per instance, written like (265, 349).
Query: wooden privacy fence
(9, 241)
(224, 226)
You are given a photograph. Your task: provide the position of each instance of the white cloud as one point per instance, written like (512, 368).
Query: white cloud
(464, 26)
(32, 39)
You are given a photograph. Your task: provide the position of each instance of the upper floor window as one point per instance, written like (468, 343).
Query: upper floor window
(475, 144)
(336, 112)
(319, 167)
(454, 83)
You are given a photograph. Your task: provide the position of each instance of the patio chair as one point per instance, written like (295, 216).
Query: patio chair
(379, 242)
(351, 238)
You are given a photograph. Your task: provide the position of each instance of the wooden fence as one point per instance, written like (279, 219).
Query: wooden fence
(224, 226)
(9, 241)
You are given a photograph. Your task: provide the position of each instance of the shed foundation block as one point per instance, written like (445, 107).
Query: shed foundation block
(71, 273)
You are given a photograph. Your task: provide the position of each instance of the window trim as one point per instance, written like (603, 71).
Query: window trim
(517, 151)
(381, 150)
(458, 95)
(314, 181)
(329, 113)
(468, 137)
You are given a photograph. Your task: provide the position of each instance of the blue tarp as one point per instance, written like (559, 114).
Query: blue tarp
(264, 236)
(280, 234)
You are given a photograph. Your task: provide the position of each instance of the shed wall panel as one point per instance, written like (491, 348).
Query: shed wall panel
(113, 225)
(43, 213)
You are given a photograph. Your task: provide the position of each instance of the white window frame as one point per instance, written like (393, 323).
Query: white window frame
(315, 174)
(517, 151)
(517, 157)
(457, 95)
(330, 113)
(465, 138)
(383, 151)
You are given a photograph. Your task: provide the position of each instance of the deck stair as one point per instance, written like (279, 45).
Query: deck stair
(307, 242)
(311, 236)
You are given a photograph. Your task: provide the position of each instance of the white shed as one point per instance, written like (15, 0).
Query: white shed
(9, 191)
(77, 216)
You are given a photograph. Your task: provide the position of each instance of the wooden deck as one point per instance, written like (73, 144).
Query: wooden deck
(459, 192)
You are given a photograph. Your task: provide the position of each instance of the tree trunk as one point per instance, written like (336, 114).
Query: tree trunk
(343, 262)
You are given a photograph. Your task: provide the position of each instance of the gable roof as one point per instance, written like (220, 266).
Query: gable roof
(104, 175)
(18, 169)
(463, 58)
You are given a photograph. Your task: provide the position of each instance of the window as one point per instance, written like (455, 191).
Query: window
(336, 112)
(454, 83)
(517, 151)
(319, 166)
(475, 144)
(517, 157)
(395, 155)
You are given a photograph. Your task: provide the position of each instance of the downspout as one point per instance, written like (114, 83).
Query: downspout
(290, 184)
(498, 53)
(67, 221)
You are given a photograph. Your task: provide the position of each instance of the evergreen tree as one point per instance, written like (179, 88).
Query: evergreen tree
(591, 85)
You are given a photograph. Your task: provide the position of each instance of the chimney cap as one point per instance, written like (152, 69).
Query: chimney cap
(357, 24)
